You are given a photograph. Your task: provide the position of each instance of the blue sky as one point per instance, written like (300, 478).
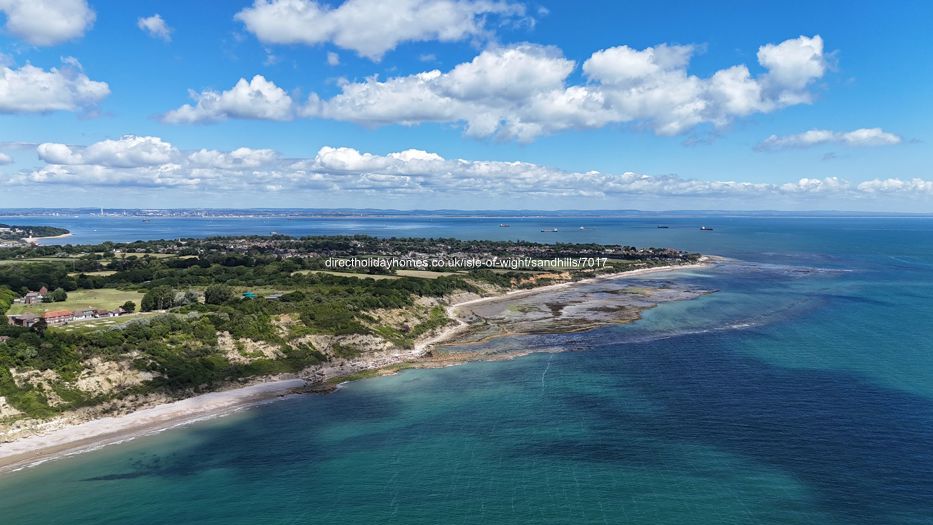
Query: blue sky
(466, 104)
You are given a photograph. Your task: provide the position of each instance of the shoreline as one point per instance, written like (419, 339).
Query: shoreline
(35, 240)
(90, 435)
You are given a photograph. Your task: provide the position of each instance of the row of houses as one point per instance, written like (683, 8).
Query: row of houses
(62, 317)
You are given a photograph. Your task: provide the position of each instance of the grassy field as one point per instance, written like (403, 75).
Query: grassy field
(105, 298)
(424, 274)
(102, 273)
(68, 258)
(629, 262)
(347, 274)
(421, 274)
(110, 322)
(258, 290)
(30, 260)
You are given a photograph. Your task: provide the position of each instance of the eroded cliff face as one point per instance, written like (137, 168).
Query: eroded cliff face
(120, 386)
(101, 377)
(6, 410)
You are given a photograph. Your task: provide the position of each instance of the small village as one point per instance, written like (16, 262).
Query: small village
(12, 236)
(57, 317)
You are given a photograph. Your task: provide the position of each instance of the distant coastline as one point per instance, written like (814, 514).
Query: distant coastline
(348, 213)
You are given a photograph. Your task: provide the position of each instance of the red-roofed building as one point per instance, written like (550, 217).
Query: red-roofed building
(57, 317)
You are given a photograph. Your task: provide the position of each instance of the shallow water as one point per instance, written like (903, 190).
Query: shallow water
(789, 396)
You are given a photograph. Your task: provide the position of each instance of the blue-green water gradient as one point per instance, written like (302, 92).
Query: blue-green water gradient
(800, 393)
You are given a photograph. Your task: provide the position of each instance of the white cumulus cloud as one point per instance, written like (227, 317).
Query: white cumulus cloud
(47, 22)
(155, 27)
(915, 186)
(522, 91)
(129, 151)
(257, 98)
(151, 162)
(791, 66)
(238, 158)
(32, 89)
(862, 137)
(371, 27)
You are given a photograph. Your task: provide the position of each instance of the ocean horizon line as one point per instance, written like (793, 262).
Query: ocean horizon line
(449, 212)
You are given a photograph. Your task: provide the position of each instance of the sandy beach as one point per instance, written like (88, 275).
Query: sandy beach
(35, 240)
(101, 432)
(77, 438)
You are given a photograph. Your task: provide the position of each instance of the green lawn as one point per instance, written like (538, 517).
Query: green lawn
(32, 260)
(347, 274)
(107, 322)
(154, 255)
(69, 258)
(261, 291)
(423, 274)
(105, 298)
(101, 273)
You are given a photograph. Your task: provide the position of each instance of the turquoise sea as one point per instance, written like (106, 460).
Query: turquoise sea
(801, 392)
